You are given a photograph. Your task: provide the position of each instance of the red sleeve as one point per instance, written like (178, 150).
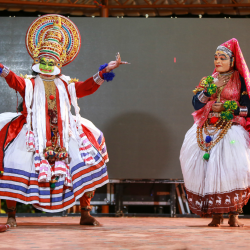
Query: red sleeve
(87, 87)
(16, 82)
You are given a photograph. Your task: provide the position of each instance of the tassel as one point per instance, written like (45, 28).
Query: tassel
(60, 168)
(30, 141)
(37, 161)
(45, 172)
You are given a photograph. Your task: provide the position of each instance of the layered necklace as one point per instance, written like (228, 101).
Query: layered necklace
(207, 144)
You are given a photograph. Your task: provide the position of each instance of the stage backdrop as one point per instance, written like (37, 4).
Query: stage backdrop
(146, 110)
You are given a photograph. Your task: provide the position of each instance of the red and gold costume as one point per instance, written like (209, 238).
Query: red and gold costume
(215, 155)
(48, 157)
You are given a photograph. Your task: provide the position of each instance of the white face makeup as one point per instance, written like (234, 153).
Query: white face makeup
(222, 62)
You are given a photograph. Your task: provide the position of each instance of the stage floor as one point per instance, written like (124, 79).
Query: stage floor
(49, 233)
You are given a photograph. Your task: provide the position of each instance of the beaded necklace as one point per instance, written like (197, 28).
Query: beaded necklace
(208, 144)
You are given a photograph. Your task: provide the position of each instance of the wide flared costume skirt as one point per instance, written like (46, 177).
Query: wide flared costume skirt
(221, 184)
(19, 181)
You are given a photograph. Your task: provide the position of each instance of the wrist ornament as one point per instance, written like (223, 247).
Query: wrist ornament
(202, 97)
(107, 76)
(98, 80)
(243, 111)
(4, 71)
(229, 106)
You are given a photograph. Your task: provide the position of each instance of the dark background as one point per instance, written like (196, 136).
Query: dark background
(146, 110)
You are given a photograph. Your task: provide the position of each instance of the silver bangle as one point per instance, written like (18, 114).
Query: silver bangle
(5, 71)
(202, 98)
(243, 111)
(98, 79)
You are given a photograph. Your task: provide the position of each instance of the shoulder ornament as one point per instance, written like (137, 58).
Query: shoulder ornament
(73, 80)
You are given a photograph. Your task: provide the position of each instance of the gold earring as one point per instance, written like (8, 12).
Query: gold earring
(36, 60)
(232, 63)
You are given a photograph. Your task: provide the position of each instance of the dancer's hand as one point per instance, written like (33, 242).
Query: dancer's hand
(218, 107)
(115, 64)
(220, 81)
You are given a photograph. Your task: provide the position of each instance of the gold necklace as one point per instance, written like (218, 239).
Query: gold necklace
(223, 132)
(50, 93)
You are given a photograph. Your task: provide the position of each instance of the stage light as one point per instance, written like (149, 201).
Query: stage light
(146, 15)
(200, 16)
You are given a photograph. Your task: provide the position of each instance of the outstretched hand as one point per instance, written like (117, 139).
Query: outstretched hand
(115, 64)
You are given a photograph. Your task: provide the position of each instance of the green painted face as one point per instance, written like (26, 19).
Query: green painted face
(47, 65)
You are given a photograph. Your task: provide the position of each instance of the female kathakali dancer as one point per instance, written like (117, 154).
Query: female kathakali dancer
(48, 157)
(215, 155)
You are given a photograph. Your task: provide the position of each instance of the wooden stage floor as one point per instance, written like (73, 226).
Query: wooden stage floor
(60, 233)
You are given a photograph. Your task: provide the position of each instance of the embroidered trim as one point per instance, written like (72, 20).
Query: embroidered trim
(98, 80)
(243, 111)
(5, 71)
(203, 98)
(225, 49)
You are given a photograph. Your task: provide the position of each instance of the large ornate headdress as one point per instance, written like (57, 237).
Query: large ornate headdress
(53, 36)
(232, 48)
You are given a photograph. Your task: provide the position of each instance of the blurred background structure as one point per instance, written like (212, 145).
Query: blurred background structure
(127, 8)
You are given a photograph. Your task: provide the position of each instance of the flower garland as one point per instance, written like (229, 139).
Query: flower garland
(211, 88)
(230, 106)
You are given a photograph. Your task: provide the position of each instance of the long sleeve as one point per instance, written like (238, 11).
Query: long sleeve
(15, 82)
(196, 101)
(244, 98)
(89, 86)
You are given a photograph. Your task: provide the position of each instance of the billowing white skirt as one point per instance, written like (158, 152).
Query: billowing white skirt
(20, 180)
(221, 184)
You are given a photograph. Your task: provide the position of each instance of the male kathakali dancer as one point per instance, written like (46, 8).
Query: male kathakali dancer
(48, 157)
(215, 155)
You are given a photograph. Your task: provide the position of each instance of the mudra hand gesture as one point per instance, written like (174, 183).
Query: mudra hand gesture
(218, 107)
(221, 81)
(115, 64)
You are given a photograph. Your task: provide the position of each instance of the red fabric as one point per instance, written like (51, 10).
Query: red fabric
(87, 87)
(239, 61)
(47, 117)
(10, 203)
(91, 137)
(14, 129)
(85, 201)
(16, 82)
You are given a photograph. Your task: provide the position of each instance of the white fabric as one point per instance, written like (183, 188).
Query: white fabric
(56, 71)
(65, 110)
(28, 101)
(7, 117)
(227, 169)
(38, 115)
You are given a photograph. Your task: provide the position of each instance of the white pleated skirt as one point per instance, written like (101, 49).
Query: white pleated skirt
(20, 180)
(221, 184)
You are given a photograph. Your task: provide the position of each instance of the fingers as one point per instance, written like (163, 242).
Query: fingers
(118, 57)
(125, 63)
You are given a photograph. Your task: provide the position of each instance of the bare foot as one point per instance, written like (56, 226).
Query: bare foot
(216, 221)
(12, 221)
(234, 221)
(87, 219)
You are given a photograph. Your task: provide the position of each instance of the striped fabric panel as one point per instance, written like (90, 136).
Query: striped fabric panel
(103, 147)
(23, 186)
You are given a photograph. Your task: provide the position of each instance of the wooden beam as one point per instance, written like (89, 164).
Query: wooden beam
(47, 4)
